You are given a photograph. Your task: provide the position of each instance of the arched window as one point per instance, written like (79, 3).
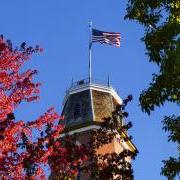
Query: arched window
(77, 110)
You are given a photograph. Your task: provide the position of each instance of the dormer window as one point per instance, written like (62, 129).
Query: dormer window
(77, 110)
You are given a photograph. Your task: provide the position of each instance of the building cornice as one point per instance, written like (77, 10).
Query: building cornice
(96, 125)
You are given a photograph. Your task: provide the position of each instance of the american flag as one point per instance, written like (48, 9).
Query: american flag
(111, 38)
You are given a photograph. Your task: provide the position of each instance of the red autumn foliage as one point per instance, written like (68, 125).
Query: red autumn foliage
(22, 157)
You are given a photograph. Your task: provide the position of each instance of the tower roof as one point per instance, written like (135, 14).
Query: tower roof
(88, 102)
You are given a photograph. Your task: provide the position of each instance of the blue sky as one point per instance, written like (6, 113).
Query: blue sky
(61, 28)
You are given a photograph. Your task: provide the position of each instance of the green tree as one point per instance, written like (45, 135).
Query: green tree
(161, 21)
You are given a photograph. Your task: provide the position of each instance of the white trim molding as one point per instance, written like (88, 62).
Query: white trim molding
(87, 128)
(96, 87)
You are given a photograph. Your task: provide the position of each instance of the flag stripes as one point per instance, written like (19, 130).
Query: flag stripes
(102, 37)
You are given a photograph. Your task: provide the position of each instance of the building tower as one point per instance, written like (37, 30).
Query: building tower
(85, 105)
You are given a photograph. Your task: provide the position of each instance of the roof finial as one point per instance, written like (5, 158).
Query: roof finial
(108, 81)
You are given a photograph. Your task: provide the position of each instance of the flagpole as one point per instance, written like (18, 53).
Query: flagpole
(90, 55)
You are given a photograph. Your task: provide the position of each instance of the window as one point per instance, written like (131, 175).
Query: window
(77, 110)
